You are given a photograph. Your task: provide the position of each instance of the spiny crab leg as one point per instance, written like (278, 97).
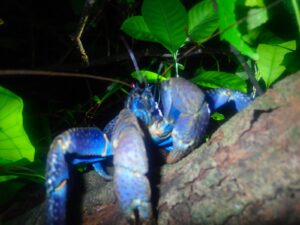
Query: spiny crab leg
(72, 147)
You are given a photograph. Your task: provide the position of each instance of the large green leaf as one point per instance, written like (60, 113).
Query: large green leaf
(229, 28)
(203, 21)
(150, 76)
(167, 21)
(270, 64)
(216, 79)
(136, 27)
(14, 142)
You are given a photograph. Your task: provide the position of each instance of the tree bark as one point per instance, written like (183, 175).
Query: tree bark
(247, 173)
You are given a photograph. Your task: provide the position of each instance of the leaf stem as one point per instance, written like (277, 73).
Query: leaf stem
(176, 63)
(297, 14)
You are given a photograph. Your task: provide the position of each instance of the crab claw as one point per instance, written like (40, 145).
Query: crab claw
(184, 107)
(131, 166)
(218, 97)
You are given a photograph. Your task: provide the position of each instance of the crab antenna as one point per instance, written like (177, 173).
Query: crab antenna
(141, 78)
(156, 90)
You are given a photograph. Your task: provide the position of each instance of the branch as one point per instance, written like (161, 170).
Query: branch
(44, 73)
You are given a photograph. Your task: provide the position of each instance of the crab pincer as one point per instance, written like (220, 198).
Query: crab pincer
(131, 167)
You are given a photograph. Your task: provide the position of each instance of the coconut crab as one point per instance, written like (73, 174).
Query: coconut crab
(176, 122)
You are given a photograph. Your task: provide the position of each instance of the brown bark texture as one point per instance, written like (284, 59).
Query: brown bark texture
(247, 173)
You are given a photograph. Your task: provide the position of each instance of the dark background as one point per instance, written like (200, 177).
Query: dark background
(36, 35)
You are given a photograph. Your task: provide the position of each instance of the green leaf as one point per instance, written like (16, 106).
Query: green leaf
(1, 21)
(291, 61)
(254, 3)
(256, 17)
(24, 169)
(110, 90)
(270, 60)
(203, 21)
(296, 7)
(215, 79)
(167, 21)
(14, 142)
(150, 76)
(229, 29)
(217, 116)
(252, 36)
(136, 27)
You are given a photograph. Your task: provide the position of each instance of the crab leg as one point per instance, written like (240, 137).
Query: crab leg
(74, 146)
(184, 106)
(131, 167)
(216, 98)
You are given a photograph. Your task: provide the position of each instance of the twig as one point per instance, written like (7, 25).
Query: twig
(81, 26)
(43, 73)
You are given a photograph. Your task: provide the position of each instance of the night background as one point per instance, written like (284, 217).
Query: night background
(38, 35)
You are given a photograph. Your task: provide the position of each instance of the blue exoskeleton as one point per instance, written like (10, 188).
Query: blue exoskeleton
(176, 122)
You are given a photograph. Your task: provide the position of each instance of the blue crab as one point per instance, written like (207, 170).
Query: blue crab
(176, 122)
